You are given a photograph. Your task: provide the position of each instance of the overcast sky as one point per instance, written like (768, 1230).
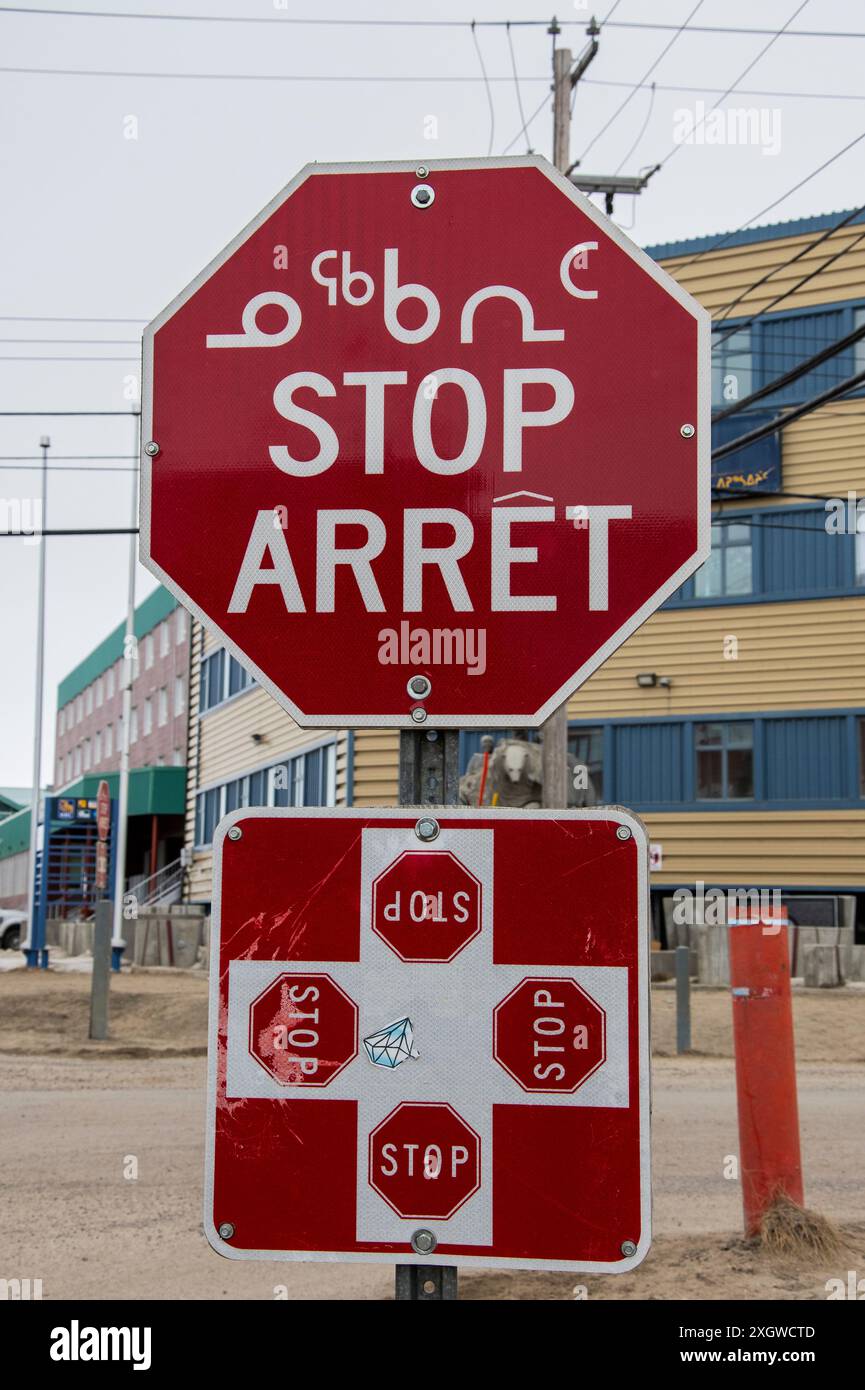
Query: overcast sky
(118, 188)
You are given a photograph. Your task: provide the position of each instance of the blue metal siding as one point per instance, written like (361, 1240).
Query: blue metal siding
(782, 342)
(649, 763)
(798, 556)
(806, 759)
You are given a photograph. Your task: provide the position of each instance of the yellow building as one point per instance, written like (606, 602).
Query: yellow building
(734, 720)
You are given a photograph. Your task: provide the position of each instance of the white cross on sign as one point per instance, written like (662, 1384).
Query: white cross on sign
(451, 1008)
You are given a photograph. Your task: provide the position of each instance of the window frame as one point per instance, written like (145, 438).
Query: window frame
(724, 748)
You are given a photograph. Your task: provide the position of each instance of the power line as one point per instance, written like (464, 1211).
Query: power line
(82, 342)
(60, 318)
(744, 73)
(803, 251)
(88, 457)
(353, 22)
(643, 128)
(787, 293)
(843, 388)
(487, 86)
(40, 414)
(619, 109)
(20, 357)
(721, 241)
(518, 92)
(261, 76)
(79, 468)
(801, 369)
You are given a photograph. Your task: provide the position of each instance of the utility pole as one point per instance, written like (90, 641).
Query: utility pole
(130, 670)
(34, 951)
(566, 74)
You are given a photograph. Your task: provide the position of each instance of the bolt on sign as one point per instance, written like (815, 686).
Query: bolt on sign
(446, 430)
(430, 1049)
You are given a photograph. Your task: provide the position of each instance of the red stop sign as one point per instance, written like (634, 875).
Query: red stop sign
(549, 1034)
(426, 452)
(426, 905)
(303, 1029)
(424, 1160)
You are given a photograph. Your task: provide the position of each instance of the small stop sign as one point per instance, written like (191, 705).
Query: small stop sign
(426, 906)
(549, 1034)
(425, 1161)
(303, 1029)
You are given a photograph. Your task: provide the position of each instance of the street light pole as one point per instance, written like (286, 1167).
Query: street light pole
(34, 950)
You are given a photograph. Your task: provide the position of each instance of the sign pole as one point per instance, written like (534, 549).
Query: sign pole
(428, 776)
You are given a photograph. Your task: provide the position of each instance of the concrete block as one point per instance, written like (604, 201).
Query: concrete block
(713, 954)
(821, 967)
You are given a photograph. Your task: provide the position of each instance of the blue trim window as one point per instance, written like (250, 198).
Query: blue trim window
(587, 746)
(308, 779)
(222, 677)
(729, 569)
(724, 760)
(732, 365)
(861, 733)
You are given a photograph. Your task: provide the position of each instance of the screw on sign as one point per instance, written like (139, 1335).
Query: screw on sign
(303, 1030)
(549, 1034)
(426, 906)
(424, 1160)
(422, 450)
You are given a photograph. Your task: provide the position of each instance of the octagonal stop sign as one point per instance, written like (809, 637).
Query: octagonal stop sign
(550, 1034)
(424, 1160)
(426, 451)
(303, 1029)
(426, 905)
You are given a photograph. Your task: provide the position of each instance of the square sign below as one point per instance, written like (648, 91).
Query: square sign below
(429, 1038)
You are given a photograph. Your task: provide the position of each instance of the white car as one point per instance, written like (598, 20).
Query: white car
(12, 926)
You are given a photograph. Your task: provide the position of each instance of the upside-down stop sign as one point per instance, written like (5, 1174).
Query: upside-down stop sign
(426, 444)
(435, 1049)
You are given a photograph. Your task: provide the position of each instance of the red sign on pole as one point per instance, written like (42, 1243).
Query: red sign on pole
(426, 446)
(430, 1050)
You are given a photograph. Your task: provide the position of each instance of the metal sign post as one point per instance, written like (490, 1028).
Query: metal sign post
(428, 776)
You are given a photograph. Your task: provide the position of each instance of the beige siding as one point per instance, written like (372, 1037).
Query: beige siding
(227, 746)
(790, 656)
(745, 848)
(376, 759)
(716, 278)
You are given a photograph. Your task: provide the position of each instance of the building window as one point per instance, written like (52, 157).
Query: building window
(148, 651)
(109, 683)
(861, 723)
(728, 570)
(88, 700)
(109, 740)
(309, 779)
(180, 625)
(68, 767)
(147, 726)
(212, 669)
(97, 748)
(587, 746)
(221, 677)
(119, 735)
(725, 760)
(238, 677)
(162, 708)
(99, 688)
(859, 539)
(164, 638)
(86, 755)
(79, 709)
(61, 721)
(731, 366)
(133, 724)
(207, 815)
(177, 757)
(179, 694)
(78, 760)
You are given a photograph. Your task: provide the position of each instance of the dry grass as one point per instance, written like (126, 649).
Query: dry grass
(791, 1232)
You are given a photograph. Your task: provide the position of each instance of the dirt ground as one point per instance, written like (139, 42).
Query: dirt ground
(73, 1112)
(164, 1014)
